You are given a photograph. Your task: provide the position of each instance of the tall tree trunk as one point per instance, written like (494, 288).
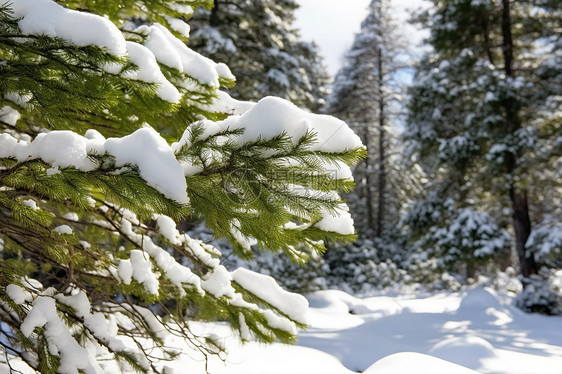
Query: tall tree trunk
(368, 189)
(382, 152)
(519, 200)
(214, 18)
(487, 42)
(522, 227)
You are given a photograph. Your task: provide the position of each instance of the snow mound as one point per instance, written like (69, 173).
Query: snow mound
(335, 301)
(480, 298)
(339, 302)
(463, 350)
(415, 363)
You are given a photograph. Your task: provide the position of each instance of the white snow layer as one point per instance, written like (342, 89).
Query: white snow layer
(339, 221)
(139, 264)
(384, 334)
(155, 159)
(142, 271)
(9, 115)
(272, 116)
(266, 288)
(144, 148)
(63, 229)
(73, 357)
(45, 17)
(226, 104)
(102, 328)
(179, 26)
(148, 71)
(418, 363)
(217, 282)
(31, 204)
(167, 227)
(58, 148)
(18, 294)
(174, 53)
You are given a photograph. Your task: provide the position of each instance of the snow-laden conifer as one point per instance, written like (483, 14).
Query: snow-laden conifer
(367, 94)
(482, 120)
(111, 134)
(259, 42)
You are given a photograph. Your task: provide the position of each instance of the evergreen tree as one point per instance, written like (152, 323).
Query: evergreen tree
(481, 106)
(364, 95)
(367, 95)
(89, 247)
(272, 60)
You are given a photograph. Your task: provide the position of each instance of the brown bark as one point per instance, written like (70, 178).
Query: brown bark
(522, 227)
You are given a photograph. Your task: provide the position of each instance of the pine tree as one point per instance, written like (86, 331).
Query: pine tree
(88, 238)
(367, 96)
(272, 60)
(481, 107)
(364, 95)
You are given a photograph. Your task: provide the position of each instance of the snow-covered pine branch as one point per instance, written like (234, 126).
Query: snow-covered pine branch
(113, 130)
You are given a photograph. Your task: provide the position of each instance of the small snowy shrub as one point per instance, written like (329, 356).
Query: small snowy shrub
(357, 269)
(546, 243)
(458, 241)
(507, 282)
(542, 293)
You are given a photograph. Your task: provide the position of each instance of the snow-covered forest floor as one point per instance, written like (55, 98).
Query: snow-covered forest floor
(476, 328)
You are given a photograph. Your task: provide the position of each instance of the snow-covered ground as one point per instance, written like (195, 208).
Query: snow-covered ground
(453, 333)
(472, 331)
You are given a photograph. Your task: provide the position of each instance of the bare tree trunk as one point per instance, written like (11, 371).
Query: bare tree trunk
(519, 200)
(382, 152)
